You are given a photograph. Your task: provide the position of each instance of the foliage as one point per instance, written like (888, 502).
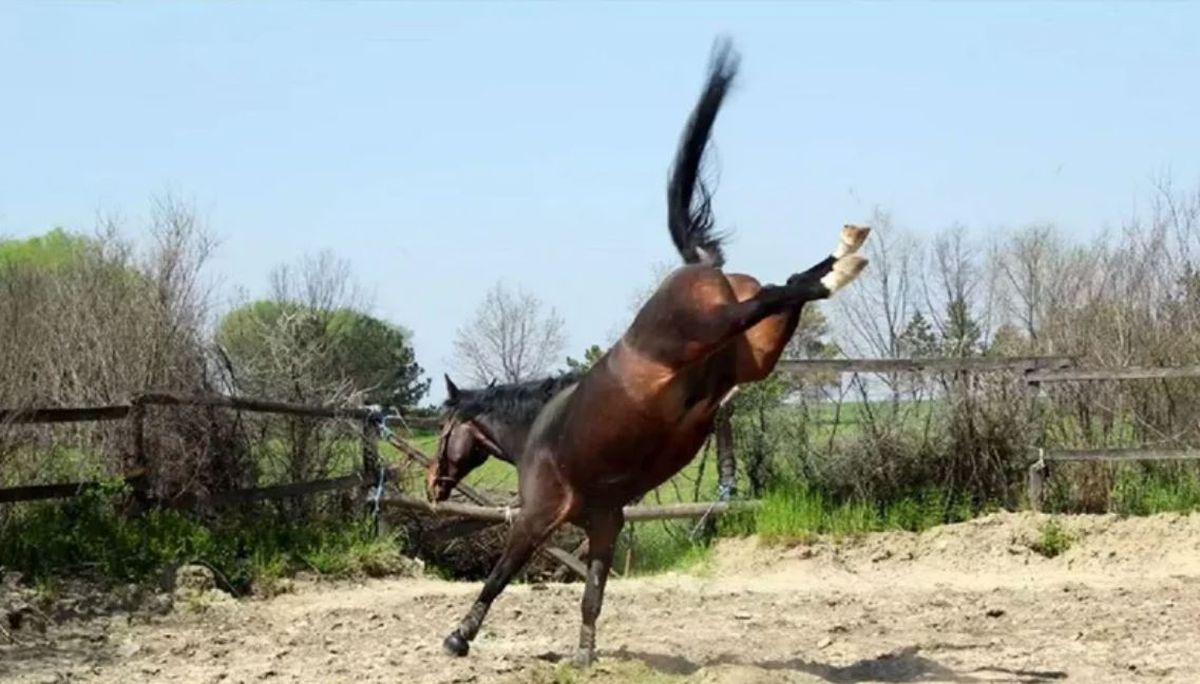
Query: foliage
(590, 356)
(1053, 540)
(89, 536)
(55, 249)
(792, 512)
(269, 342)
(918, 339)
(94, 320)
(962, 335)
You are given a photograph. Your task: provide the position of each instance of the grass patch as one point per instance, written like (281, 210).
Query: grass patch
(797, 513)
(1053, 540)
(661, 546)
(88, 537)
(1146, 492)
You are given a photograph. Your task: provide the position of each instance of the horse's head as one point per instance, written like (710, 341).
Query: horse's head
(465, 443)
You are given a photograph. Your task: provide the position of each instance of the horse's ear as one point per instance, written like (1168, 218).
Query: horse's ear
(451, 388)
(492, 383)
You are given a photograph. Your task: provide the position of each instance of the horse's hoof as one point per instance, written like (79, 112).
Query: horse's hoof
(584, 658)
(455, 645)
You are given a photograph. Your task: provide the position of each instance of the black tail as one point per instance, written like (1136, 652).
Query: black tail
(689, 201)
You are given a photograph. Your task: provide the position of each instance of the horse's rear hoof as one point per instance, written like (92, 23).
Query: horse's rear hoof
(455, 645)
(584, 657)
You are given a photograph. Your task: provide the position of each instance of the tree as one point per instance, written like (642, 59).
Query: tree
(808, 342)
(1008, 340)
(962, 334)
(918, 340)
(511, 338)
(590, 356)
(312, 341)
(284, 347)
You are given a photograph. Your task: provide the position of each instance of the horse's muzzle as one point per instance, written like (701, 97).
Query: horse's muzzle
(439, 490)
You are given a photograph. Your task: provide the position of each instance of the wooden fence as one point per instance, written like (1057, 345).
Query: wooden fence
(137, 462)
(1036, 371)
(1040, 471)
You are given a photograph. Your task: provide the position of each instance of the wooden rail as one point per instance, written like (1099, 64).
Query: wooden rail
(83, 414)
(1097, 374)
(1121, 455)
(632, 513)
(252, 405)
(981, 364)
(1039, 472)
(64, 415)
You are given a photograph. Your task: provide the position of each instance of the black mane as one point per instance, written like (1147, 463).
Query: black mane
(518, 402)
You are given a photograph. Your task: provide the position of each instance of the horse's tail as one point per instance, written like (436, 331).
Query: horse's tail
(689, 201)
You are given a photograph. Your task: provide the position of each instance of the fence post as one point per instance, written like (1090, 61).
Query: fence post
(1037, 485)
(370, 447)
(138, 464)
(1038, 471)
(372, 473)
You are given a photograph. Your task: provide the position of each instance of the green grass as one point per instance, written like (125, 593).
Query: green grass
(1139, 491)
(795, 513)
(88, 537)
(661, 546)
(1052, 540)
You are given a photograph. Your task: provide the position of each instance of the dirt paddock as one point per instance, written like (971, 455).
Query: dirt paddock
(961, 603)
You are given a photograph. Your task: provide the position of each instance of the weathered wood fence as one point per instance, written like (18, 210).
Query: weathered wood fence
(137, 462)
(1041, 469)
(1036, 371)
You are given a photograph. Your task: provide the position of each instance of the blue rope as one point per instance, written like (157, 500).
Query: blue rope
(724, 491)
(379, 420)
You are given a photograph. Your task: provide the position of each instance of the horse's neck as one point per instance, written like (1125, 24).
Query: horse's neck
(511, 440)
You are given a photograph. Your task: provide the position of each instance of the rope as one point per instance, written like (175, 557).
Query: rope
(723, 493)
(376, 497)
(378, 418)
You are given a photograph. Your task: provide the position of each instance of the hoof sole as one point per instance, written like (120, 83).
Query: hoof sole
(455, 645)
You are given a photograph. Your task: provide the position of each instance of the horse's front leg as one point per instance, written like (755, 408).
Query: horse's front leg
(534, 524)
(603, 530)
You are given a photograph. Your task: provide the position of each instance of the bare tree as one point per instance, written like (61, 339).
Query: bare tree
(510, 339)
(1029, 268)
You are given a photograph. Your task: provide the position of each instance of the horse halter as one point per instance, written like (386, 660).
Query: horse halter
(477, 432)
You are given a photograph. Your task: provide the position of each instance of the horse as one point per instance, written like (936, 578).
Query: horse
(645, 408)
(493, 421)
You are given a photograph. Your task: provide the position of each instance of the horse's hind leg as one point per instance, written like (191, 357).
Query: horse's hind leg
(533, 525)
(603, 529)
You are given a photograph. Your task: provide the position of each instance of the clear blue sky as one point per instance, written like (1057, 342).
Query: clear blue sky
(441, 147)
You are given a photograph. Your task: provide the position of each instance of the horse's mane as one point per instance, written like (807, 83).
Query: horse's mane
(518, 402)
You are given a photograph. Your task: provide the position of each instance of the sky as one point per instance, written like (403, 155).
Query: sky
(440, 148)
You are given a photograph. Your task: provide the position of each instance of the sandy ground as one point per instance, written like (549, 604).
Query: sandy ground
(961, 603)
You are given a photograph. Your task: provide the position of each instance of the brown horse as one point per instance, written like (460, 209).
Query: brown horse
(644, 409)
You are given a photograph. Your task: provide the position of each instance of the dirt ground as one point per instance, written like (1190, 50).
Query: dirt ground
(961, 603)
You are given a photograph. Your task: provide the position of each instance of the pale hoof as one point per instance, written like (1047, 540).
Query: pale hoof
(455, 645)
(584, 657)
(853, 238)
